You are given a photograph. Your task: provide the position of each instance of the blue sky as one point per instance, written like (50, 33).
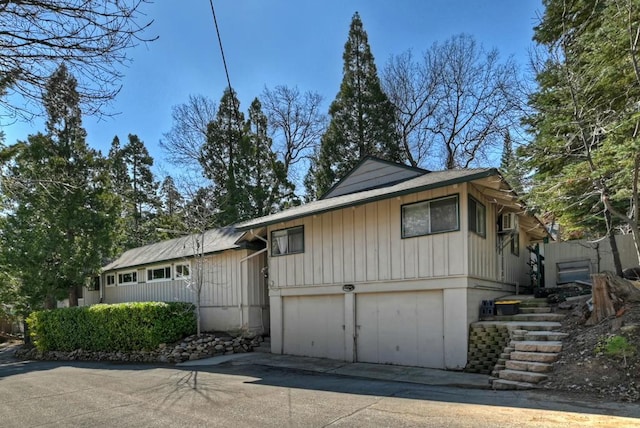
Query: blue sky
(280, 42)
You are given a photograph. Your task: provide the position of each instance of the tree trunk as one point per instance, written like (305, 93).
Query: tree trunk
(73, 296)
(49, 302)
(602, 304)
(614, 245)
(609, 293)
(27, 336)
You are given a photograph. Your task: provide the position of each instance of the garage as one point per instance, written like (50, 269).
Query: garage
(403, 328)
(313, 326)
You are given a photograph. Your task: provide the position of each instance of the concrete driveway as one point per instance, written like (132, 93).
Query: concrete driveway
(240, 394)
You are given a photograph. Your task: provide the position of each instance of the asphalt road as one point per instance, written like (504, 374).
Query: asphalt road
(34, 394)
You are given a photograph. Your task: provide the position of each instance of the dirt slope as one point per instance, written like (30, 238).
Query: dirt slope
(586, 369)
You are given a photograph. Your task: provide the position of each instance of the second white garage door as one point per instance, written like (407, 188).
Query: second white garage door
(404, 328)
(314, 326)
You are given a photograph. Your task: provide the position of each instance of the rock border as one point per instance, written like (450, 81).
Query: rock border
(190, 348)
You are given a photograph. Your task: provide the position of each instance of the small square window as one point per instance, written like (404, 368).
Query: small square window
(287, 241)
(477, 217)
(182, 271)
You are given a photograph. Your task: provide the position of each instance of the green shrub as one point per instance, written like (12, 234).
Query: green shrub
(119, 327)
(616, 347)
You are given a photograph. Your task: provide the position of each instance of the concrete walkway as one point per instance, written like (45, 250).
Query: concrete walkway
(362, 370)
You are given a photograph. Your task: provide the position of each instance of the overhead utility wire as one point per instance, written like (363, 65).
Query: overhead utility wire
(224, 61)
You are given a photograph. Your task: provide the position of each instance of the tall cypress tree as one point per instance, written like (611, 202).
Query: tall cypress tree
(362, 118)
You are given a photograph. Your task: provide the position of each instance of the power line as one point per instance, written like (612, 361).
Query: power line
(224, 61)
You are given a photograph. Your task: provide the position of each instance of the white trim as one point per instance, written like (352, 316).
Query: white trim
(179, 276)
(106, 280)
(133, 271)
(159, 267)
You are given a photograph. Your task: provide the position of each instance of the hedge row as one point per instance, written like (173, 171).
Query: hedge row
(118, 327)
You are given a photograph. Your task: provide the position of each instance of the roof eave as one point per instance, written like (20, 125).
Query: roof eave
(458, 180)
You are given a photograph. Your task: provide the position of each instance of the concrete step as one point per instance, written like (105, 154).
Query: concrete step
(535, 310)
(520, 376)
(539, 302)
(538, 346)
(528, 366)
(520, 325)
(545, 335)
(503, 384)
(537, 357)
(531, 317)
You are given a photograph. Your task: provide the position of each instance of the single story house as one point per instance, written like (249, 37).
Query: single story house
(233, 294)
(391, 266)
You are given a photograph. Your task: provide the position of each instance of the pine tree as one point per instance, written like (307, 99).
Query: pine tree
(133, 181)
(268, 186)
(143, 190)
(509, 165)
(362, 117)
(63, 222)
(585, 154)
(221, 162)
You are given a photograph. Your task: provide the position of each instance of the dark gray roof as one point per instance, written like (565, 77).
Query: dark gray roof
(428, 181)
(215, 240)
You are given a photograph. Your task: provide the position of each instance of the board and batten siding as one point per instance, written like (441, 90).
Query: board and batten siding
(486, 261)
(364, 244)
(222, 278)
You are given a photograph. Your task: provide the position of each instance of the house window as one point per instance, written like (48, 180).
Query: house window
(182, 271)
(110, 280)
(158, 274)
(287, 241)
(428, 217)
(477, 217)
(515, 244)
(126, 278)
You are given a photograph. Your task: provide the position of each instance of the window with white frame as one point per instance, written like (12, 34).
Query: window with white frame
(429, 217)
(477, 217)
(159, 274)
(183, 271)
(126, 278)
(287, 241)
(110, 280)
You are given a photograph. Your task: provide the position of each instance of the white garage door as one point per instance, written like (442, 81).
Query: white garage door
(314, 326)
(404, 328)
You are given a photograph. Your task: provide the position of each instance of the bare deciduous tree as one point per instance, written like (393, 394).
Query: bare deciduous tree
(183, 143)
(90, 37)
(296, 122)
(412, 88)
(459, 99)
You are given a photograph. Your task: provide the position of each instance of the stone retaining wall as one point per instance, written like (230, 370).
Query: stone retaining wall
(486, 343)
(190, 348)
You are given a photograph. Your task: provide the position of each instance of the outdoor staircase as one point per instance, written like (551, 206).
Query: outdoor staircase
(535, 344)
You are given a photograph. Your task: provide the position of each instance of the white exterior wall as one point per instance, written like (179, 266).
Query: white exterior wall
(364, 244)
(326, 321)
(486, 261)
(233, 294)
